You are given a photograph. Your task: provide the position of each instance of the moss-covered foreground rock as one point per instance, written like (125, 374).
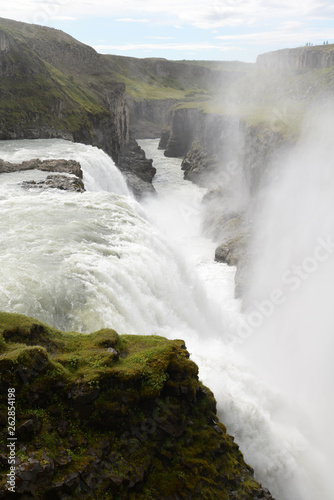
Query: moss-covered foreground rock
(103, 416)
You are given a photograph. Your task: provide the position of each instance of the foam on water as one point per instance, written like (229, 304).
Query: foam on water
(82, 261)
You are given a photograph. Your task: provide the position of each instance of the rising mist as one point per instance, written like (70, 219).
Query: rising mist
(290, 315)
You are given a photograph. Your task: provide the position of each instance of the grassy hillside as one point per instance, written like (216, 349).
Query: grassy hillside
(51, 81)
(51, 84)
(36, 96)
(155, 78)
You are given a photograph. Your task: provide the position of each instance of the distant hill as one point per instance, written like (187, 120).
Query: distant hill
(51, 85)
(54, 86)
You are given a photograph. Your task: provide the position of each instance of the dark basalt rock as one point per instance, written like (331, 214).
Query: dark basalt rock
(62, 182)
(29, 427)
(137, 169)
(164, 138)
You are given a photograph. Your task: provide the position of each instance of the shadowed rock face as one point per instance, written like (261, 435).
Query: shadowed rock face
(137, 169)
(108, 416)
(232, 159)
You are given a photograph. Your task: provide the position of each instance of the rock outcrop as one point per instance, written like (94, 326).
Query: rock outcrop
(107, 416)
(62, 166)
(148, 116)
(297, 59)
(137, 169)
(62, 182)
(71, 180)
(183, 128)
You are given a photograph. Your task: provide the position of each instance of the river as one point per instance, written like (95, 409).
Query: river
(83, 261)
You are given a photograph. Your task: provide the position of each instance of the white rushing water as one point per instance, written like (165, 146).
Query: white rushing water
(83, 261)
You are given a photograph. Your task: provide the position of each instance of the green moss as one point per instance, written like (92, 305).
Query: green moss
(126, 410)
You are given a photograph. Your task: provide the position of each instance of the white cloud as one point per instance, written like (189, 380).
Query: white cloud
(291, 26)
(130, 20)
(199, 13)
(160, 37)
(264, 24)
(165, 46)
(270, 37)
(65, 18)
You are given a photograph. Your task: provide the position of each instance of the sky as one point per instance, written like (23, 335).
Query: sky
(183, 29)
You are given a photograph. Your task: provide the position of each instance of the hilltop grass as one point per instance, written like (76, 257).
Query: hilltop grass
(154, 89)
(284, 117)
(142, 81)
(139, 89)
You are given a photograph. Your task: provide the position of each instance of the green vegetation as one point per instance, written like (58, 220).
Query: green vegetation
(44, 96)
(154, 79)
(106, 416)
(141, 89)
(78, 88)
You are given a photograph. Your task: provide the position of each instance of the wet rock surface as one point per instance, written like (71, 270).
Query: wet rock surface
(62, 182)
(70, 182)
(62, 166)
(137, 169)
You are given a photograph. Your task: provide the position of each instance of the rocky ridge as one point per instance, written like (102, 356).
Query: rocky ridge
(53, 86)
(298, 59)
(107, 416)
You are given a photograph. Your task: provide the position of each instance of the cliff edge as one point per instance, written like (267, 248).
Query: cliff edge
(106, 416)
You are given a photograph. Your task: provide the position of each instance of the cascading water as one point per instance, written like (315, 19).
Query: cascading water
(82, 261)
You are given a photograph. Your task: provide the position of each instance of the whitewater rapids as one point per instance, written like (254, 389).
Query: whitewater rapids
(83, 261)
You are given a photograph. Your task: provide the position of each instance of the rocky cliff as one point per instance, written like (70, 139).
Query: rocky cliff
(52, 86)
(153, 85)
(107, 416)
(148, 116)
(231, 156)
(231, 145)
(300, 58)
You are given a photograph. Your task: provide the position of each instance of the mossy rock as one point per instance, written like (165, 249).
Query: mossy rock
(111, 416)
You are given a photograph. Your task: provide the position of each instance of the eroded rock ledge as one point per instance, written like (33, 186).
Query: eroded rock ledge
(72, 182)
(108, 416)
(63, 166)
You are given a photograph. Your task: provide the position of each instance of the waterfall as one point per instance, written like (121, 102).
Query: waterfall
(100, 173)
(83, 261)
